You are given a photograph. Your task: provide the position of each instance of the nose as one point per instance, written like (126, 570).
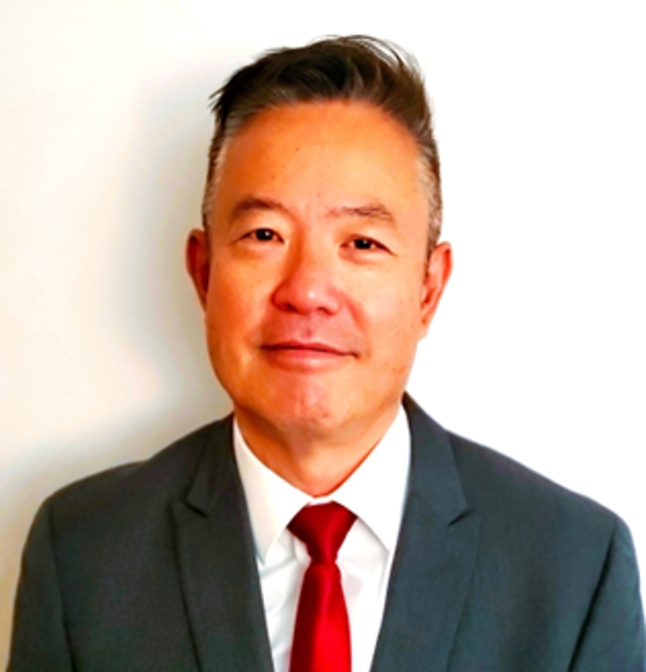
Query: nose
(309, 283)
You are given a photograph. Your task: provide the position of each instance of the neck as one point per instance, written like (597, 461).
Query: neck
(315, 462)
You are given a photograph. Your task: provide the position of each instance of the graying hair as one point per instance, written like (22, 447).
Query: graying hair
(354, 68)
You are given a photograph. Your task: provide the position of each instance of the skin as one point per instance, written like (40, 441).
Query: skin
(316, 283)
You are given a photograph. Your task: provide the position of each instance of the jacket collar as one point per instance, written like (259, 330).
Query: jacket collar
(434, 561)
(434, 475)
(217, 565)
(429, 582)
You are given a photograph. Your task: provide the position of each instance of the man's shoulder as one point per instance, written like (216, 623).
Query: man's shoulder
(519, 502)
(514, 500)
(481, 467)
(145, 487)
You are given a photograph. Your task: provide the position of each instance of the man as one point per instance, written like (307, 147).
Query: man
(319, 269)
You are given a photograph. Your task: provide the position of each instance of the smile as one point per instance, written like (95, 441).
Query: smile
(305, 354)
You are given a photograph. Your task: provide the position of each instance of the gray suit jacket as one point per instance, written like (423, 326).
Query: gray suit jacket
(151, 567)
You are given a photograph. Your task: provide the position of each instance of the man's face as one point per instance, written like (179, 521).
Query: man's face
(316, 282)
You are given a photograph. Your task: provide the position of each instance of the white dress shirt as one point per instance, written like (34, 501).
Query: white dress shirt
(376, 493)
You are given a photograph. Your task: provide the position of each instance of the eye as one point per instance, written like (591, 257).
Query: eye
(262, 235)
(366, 244)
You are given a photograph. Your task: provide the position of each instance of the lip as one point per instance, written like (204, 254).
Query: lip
(305, 347)
(293, 352)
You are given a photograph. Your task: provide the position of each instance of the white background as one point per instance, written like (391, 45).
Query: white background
(538, 348)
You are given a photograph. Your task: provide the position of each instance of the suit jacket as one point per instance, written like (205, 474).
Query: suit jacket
(151, 567)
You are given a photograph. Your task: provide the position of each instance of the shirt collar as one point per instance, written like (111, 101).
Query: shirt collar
(375, 492)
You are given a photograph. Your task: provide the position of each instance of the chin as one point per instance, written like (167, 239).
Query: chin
(305, 412)
(304, 408)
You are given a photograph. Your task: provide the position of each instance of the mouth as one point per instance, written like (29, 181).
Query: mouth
(305, 353)
(316, 346)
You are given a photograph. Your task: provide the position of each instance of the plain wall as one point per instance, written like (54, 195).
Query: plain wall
(538, 348)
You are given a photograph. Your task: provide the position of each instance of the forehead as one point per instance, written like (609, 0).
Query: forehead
(322, 151)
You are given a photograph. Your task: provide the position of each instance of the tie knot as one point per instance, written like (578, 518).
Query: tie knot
(322, 528)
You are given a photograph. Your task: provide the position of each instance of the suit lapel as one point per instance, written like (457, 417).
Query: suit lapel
(429, 582)
(217, 565)
(434, 559)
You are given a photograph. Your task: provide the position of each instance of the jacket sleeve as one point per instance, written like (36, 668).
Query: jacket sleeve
(612, 639)
(39, 638)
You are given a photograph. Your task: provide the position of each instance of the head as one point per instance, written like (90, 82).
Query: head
(321, 268)
(356, 68)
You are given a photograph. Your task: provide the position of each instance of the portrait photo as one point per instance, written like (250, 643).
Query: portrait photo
(382, 266)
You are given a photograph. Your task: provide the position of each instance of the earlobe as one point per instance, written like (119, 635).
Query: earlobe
(438, 272)
(198, 262)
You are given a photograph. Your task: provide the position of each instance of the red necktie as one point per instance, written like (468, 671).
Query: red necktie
(322, 632)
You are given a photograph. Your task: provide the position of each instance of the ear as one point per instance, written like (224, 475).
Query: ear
(198, 262)
(438, 272)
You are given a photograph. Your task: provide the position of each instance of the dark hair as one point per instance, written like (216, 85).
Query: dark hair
(358, 68)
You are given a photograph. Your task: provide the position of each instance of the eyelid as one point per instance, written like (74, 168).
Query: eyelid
(252, 234)
(376, 244)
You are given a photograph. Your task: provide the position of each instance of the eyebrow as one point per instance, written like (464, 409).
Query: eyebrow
(368, 211)
(372, 210)
(251, 203)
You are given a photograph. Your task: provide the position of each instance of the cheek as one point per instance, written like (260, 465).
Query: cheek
(393, 330)
(223, 310)
(395, 313)
(235, 308)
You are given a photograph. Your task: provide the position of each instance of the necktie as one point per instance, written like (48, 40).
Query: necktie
(322, 632)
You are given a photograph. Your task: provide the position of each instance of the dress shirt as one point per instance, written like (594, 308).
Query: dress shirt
(376, 493)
